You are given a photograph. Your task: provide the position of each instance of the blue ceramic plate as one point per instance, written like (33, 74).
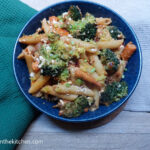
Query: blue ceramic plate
(132, 74)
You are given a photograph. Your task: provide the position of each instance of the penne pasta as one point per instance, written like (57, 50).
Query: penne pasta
(73, 89)
(119, 51)
(45, 26)
(38, 84)
(99, 79)
(36, 76)
(96, 100)
(29, 60)
(112, 44)
(21, 55)
(91, 48)
(103, 21)
(27, 51)
(104, 34)
(32, 39)
(50, 90)
(98, 65)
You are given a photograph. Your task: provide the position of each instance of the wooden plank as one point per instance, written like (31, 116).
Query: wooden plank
(125, 122)
(140, 98)
(129, 130)
(88, 141)
(139, 101)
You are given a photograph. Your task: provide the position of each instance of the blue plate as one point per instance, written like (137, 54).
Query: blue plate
(132, 75)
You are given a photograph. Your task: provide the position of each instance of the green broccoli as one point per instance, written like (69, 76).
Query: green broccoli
(52, 70)
(79, 82)
(75, 13)
(64, 75)
(88, 32)
(54, 57)
(74, 109)
(109, 60)
(114, 92)
(114, 32)
(53, 37)
(66, 53)
(51, 63)
(84, 29)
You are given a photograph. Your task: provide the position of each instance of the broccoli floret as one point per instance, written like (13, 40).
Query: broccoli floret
(79, 82)
(89, 18)
(88, 32)
(59, 49)
(76, 108)
(64, 75)
(52, 70)
(75, 13)
(109, 60)
(55, 58)
(84, 29)
(55, 50)
(114, 32)
(51, 63)
(53, 37)
(82, 102)
(114, 92)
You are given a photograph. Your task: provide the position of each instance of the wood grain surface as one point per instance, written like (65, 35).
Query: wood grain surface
(130, 130)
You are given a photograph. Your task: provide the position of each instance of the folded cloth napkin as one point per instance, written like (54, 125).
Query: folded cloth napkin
(15, 111)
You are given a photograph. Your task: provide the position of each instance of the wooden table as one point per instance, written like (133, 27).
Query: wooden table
(130, 130)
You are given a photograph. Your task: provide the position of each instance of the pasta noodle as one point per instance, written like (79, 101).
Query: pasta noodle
(96, 100)
(21, 55)
(73, 90)
(103, 21)
(113, 44)
(87, 77)
(32, 39)
(50, 90)
(39, 83)
(91, 48)
(45, 26)
(29, 60)
(98, 65)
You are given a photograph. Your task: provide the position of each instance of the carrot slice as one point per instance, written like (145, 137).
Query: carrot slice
(53, 19)
(61, 32)
(128, 51)
(87, 77)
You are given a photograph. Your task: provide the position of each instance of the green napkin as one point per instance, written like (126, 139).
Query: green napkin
(15, 111)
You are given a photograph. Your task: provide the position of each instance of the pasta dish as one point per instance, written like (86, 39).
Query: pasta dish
(77, 61)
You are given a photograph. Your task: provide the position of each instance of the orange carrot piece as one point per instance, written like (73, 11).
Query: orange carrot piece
(35, 66)
(52, 19)
(62, 32)
(86, 109)
(87, 77)
(128, 51)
